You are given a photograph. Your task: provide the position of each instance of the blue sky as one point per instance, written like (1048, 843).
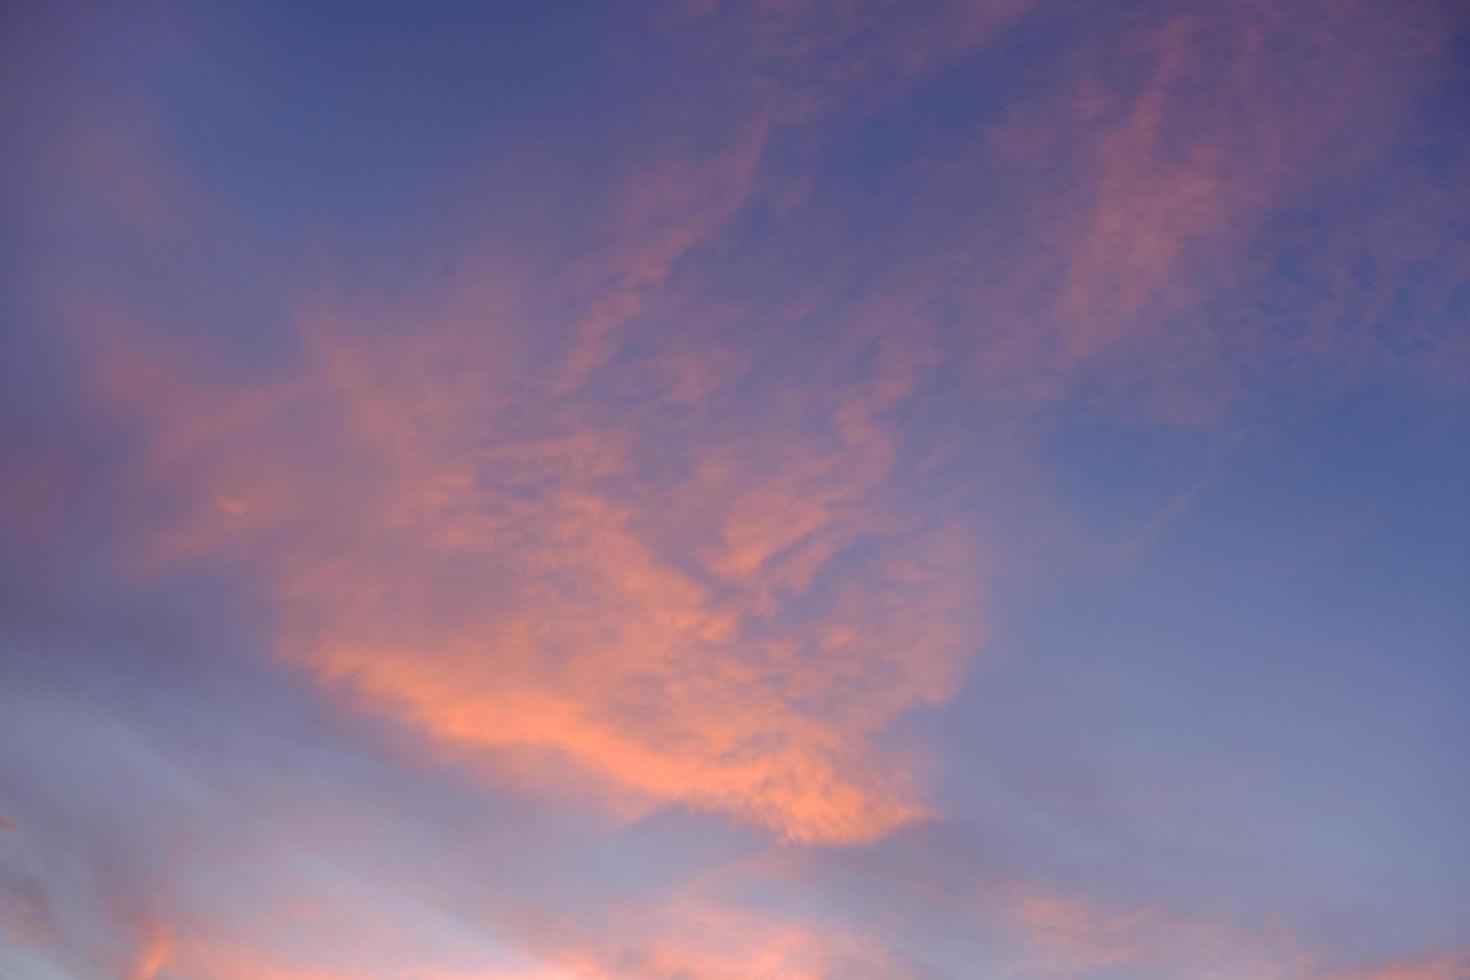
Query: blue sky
(735, 490)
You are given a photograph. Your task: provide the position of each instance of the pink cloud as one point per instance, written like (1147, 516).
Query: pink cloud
(1065, 936)
(490, 564)
(1144, 196)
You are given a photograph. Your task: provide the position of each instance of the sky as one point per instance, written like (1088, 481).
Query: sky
(715, 490)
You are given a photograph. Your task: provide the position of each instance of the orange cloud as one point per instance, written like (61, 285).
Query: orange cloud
(720, 614)
(700, 597)
(157, 951)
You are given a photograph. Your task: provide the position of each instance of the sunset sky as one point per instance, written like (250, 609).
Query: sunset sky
(842, 489)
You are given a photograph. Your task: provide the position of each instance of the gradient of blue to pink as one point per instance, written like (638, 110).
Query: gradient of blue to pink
(703, 491)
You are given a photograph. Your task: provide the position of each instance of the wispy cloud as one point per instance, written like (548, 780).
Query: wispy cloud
(548, 564)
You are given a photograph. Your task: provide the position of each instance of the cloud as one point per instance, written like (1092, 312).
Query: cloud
(459, 519)
(719, 614)
(1066, 936)
(1152, 174)
(157, 858)
(683, 940)
(641, 508)
(1449, 966)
